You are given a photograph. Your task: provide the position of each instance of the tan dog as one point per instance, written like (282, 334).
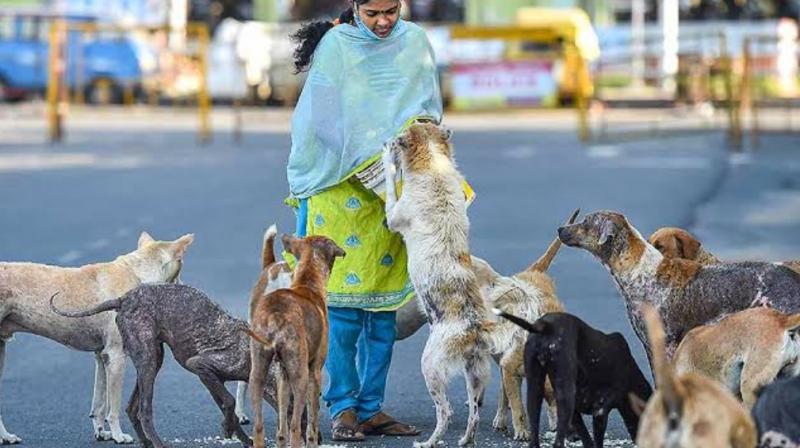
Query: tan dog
(25, 287)
(274, 275)
(673, 242)
(689, 410)
(291, 326)
(530, 293)
(744, 351)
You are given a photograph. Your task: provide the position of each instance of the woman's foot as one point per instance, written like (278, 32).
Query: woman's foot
(382, 424)
(345, 427)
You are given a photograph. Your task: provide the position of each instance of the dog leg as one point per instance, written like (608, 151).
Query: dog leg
(149, 363)
(5, 436)
(536, 378)
(512, 384)
(436, 371)
(282, 436)
(630, 418)
(394, 218)
(476, 374)
(550, 398)
(583, 433)
(312, 426)
(203, 367)
(565, 396)
(133, 414)
(241, 397)
(500, 418)
(99, 400)
(114, 359)
(758, 371)
(259, 369)
(599, 424)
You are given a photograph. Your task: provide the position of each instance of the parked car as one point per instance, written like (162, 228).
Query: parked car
(101, 63)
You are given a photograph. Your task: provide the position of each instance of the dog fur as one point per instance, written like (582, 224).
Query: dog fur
(776, 416)
(592, 373)
(25, 287)
(744, 351)
(203, 338)
(274, 275)
(431, 216)
(290, 326)
(689, 410)
(685, 293)
(529, 294)
(673, 242)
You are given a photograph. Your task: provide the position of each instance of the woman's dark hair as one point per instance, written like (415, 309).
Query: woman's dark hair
(309, 35)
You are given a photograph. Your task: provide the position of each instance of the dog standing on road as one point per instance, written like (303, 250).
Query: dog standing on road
(290, 326)
(685, 293)
(592, 373)
(744, 351)
(431, 216)
(689, 410)
(25, 287)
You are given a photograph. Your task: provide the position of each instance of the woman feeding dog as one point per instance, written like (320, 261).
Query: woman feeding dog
(370, 75)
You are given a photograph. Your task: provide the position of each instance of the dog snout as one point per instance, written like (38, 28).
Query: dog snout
(565, 235)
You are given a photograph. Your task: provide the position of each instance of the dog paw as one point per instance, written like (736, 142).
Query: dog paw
(522, 435)
(10, 439)
(122, 439)
(427, 444)
(499, 423)
(464, 441)
(102, 436)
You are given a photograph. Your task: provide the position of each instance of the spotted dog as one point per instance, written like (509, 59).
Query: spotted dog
(685, 293)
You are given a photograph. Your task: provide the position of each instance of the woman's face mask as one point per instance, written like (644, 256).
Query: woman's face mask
(379, 16)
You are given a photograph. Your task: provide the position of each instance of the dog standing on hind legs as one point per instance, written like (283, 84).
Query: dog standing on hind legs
(290, 326)
(431, 217)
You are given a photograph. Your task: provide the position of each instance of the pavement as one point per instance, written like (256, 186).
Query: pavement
(121, 172)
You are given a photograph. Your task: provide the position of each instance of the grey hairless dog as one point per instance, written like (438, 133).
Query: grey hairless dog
(204, 339)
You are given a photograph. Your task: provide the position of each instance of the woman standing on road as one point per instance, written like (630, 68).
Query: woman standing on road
(371, 74)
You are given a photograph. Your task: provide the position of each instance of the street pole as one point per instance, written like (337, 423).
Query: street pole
(669, 59)
(638, 42)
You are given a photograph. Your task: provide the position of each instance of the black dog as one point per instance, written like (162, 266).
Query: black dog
(591, 373)
(204, 339)
(777, 414)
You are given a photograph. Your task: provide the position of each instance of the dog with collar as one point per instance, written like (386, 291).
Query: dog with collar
(289, 327)
(685, 293)
(674, 242)
(688, 410)
(431, 216)
(592, 373)
(744, 351)
(25, 287)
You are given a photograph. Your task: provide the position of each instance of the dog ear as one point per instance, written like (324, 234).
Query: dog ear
(337, 251)
(290, 244)
(145, 239)
(687, 245)
(606, 232)
(181, 244)
(637, 404)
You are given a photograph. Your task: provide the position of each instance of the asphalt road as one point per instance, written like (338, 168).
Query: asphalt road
(88, 199)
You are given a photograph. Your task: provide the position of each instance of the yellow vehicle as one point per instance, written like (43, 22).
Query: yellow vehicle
(556, 27)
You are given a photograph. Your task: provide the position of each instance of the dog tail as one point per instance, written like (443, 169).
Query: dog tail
(258, 338)
(662, 370)
(268, 251)
(536, 327)
(109, 305)
(793, 323)
(543, 263)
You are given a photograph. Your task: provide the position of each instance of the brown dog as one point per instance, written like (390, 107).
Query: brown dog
(744, 351)
(689, 410)
(291, 326)
(673, 242)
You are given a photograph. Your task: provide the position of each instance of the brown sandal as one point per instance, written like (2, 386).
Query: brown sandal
(381, 424)
(345, 427)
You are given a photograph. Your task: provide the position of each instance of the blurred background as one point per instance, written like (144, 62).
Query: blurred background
(118, 116)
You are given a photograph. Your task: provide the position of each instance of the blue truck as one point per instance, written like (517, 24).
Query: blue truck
(101, 63)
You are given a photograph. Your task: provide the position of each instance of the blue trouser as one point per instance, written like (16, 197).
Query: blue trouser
(359, 353)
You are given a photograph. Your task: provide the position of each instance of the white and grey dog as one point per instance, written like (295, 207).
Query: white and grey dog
(431, 217)
(25, 288)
